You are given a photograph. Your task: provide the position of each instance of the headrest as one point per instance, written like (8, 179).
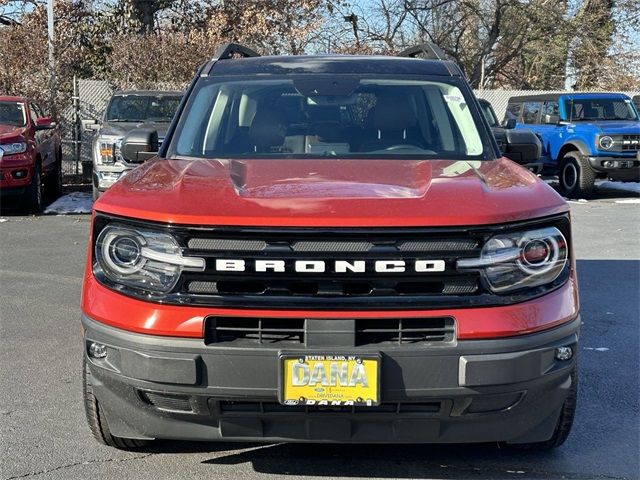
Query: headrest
(393, 113)
(268, 129)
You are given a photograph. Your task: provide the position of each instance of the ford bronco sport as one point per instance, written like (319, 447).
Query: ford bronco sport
(584, 136)
(329, 249)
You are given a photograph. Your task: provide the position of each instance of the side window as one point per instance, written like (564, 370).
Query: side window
(551, 108)
(514, 110)
(531, 112)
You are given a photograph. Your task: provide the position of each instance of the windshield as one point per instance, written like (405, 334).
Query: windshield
(142, 108)
(12, 113)
(315, 115)
(594, 109)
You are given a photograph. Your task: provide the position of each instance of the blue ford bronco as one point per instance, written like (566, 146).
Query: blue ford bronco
(584, 136)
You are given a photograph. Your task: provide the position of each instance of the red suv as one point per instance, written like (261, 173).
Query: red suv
(30, 152)
(329, 249)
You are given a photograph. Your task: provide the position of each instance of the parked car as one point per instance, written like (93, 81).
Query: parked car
(329, 249)
(585, 136)
(126, 111)
(521, 145)
(31, 152)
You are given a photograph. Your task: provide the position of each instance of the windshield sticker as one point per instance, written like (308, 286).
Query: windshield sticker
(454, 98)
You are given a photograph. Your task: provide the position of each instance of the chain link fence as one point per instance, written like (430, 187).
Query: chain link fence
(91, 98)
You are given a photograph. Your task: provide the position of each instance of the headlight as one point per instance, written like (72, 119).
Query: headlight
(522, 259)
(142, 259)
(105, 149)
(605, 142)
(13, 148)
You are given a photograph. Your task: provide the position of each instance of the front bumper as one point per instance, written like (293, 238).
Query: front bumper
(509, 389)
(622, 167)
(16, 172)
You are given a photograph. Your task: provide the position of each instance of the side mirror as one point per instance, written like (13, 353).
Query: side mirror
(90, 125)
(551, 119)
(139, 145)
(522, 146)
(510, 123)
(45, 123)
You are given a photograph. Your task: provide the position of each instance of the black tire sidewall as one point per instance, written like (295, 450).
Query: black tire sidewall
(34, 191)
(582, 186)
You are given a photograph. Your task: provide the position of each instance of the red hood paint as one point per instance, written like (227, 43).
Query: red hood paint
(331, 193)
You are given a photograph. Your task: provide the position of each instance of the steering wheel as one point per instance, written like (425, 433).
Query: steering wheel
(403, 146)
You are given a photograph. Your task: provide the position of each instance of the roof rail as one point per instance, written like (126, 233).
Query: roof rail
(226, 52)
(430, 51)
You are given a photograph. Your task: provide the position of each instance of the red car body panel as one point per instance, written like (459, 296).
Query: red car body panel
(43, 144)
(329, 193)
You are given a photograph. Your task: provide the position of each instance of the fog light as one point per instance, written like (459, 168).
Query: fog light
(564, 353)
(97, 350)
(17, 174)
(607, 164)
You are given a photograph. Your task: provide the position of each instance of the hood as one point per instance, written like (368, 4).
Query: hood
(122, 128)
(10, 131)
(336, 193)
(614, 127)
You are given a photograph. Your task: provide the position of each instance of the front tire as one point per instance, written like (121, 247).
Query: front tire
(565, 421)
(34, 191)
(577, 178)
(97, 421)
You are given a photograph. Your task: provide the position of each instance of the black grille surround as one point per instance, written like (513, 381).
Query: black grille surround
(332, 291)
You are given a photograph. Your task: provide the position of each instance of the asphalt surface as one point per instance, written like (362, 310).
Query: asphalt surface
(42, 427)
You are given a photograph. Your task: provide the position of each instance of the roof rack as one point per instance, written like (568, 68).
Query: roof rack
(226, 52)
(429, 50)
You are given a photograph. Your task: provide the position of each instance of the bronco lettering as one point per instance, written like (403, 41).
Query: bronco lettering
(339, 266)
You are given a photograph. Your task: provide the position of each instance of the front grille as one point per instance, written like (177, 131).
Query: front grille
(433, 330)
(254, 330)
(262, 408)
(630, 143)
(353, 283)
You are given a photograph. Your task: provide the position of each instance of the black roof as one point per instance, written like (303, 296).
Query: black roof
(332, 64)
(155, 93)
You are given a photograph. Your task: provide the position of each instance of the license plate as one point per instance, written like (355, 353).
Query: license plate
(331, 380)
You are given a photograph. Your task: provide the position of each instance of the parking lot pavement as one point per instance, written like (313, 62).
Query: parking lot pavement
(42, 427)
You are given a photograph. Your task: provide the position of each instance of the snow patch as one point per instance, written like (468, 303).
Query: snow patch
(629, 200)
(2, 220)
(76, 202)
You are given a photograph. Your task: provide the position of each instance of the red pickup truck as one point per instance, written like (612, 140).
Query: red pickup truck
(329, 249)
(30, 152)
